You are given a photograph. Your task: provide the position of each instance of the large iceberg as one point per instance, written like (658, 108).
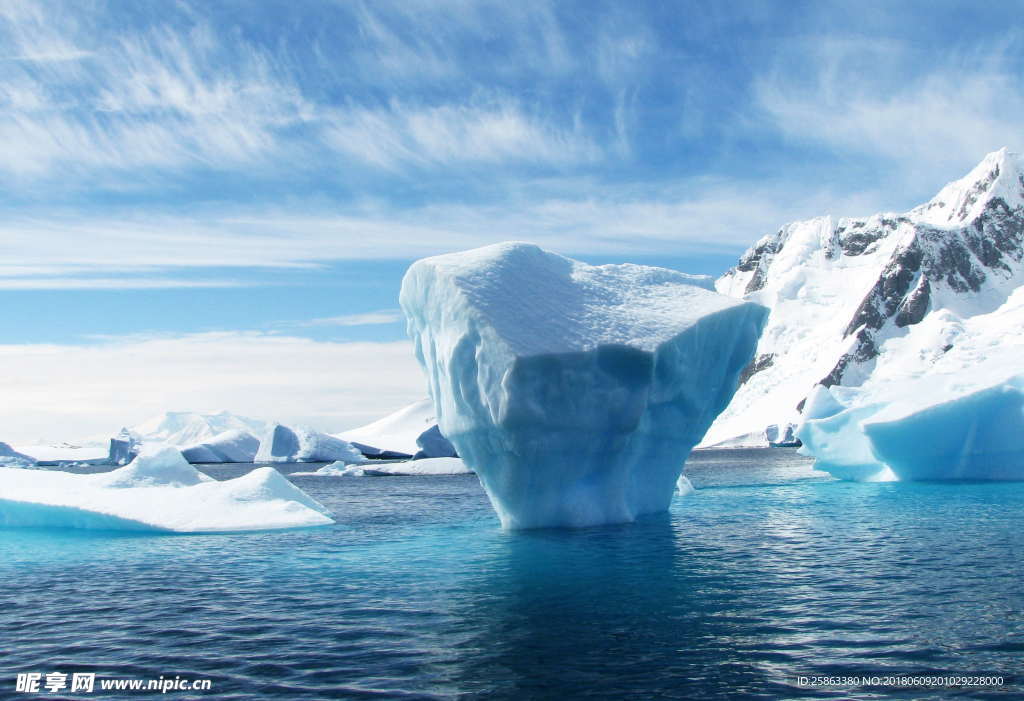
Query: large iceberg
(575, 392)
(158, 491)
(286, 444)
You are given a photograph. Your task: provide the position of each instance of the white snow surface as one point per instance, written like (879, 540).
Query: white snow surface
(425, 466)
(281, 443)
(398, 431)
(960, 416)
(575, 392)
(158, 491)
(814, 282)
(229, 446)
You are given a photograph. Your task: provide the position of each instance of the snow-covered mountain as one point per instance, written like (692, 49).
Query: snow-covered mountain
(856, 300)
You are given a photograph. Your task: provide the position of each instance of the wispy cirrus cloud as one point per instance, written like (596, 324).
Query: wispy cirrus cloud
(871, 100)
(382, 316)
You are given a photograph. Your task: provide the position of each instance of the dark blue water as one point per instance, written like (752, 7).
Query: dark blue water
(770, 571)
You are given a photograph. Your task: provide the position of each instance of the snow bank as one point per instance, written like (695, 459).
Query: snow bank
(425, 466)
(285, 444)
(158, 491)
(575, 392)
(230, 446)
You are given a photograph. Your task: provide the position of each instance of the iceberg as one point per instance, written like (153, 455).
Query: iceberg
(285, 444)
(927, 430)
(158, 491)
(395, 435)
(9, 457)
(433, 445)
(575, 392)
(229, 446)
(425, 466)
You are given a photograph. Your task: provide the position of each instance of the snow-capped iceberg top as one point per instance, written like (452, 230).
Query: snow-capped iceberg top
(519, 290)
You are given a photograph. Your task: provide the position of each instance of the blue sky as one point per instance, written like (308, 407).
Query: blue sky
(259, 174)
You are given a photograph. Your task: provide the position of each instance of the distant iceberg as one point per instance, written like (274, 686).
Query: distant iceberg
(281, 443)
(426, 466)
(411, 431)
(9, 457)
(574, 391)
(158, 491)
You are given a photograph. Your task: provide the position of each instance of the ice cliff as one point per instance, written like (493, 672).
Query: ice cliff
(575, 392)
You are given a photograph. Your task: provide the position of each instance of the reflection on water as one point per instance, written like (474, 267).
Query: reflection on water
(768, 571)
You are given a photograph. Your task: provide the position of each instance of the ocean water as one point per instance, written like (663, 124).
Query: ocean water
(769, 572)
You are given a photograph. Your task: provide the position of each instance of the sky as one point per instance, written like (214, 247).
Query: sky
(210, 205)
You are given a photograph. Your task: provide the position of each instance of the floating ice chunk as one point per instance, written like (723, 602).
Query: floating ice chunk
(575, 392)
(285, 444)
(158, 491)
(684, 486)
(229, 446)
(425, 466)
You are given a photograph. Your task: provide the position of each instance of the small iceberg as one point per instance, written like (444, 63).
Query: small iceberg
(158, 491)
(424, 466)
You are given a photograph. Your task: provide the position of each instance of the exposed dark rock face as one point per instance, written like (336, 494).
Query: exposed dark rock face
(761, 362)
(757, 259)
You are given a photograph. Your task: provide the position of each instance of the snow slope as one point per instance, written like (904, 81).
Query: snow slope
(158, 491)
(850, 298)
(396, 432)
(575, 392)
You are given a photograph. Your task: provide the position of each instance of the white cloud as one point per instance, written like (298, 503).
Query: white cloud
(493, 132)
(112, 283)
(64, 392)
(383, 316)
(864, 99)
(695, 216)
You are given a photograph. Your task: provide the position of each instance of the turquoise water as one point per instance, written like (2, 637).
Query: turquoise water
(769, 572)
